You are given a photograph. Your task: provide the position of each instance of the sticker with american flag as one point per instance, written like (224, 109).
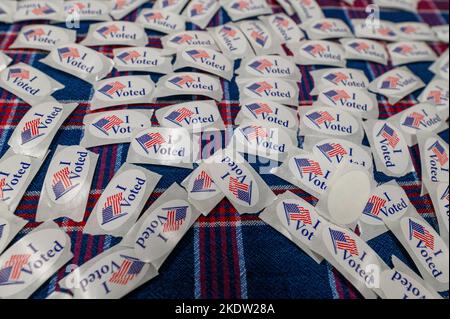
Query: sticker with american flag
(176, 217)
(343, 242)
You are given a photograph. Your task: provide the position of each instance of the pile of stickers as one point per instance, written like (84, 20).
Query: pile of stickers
(333, 165)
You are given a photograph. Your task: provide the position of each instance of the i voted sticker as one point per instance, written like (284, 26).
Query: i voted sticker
(436, 93)
(326, 29)
(232, 41)
(410, 52)
(365, 50)
(382, 30)
(113, 127)
(207, 60)
(415, 31)
(356, 101)
(243, 9)
(130, 89)
(189, 83)
(115, 33)
(142, 59)
(88, 10)
(28, 83)
(180, 40)
(195, 116)
(43, 37)
(271, 89)
(79, 61)
(284, 27)
(39, 10)
(271, 66)
(260, 37)
(200, 12)
(343, 77)
(307, 9)
(318, 52)
(161, 20)
(170, 5)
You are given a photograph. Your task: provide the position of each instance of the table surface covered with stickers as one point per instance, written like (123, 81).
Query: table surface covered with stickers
(224, 254)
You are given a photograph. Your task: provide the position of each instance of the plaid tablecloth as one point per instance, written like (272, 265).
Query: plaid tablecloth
(224, 255)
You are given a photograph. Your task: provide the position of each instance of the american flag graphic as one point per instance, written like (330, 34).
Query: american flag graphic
(112, 209)
(18, 73)
(30, 131)
(390, 83)
(403, 49)
(77, 6)
(39, 11)
(128, 56)
(12, 269)
(167, 3)
(261, 65)
(34, 33)
(259, 108)
(107, 123)
(154, 16)
(61, 183)
(414, 120)
(314, 49)
(179, 115)
(229, 31)
(202, 183)
(439, 151)
(336, 77)
(111, 88)
(296, 212)
(240, 190)
(331, 150)
(253, 132)
(359, 46)
(259, 87)
(183, 38)
(374, 206)
(343, 242)
(421, 233)
(259, 38)
(198, 54)
(181, 80)
(318, 118)
(2, 227)
(240, 5)
(390, 135)
(128, 270)
(107, 30)
(408, 29)
(2, 185)
(176, 216)
(197, 9)
(337, 95)
(385, 31)
(306, 166)
(324, 26)
(149, 140)
(281, 21)
(67, 52)
(435, 96)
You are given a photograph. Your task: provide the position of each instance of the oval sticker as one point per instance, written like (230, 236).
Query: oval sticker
(114, 125)
(276, 90)
(422, 117)
(178, 40)
(270, 112)
(118, 32)
(356, 101)
(330, 121)
(161, 20)
(271, 66)
(44, 36)
(232, 39)
(123, 89)
(78, 59)
(319, 51)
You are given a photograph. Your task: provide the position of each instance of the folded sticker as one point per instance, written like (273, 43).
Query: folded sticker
(109, 275)
(201, 12)
(122, 8)
(330, 122)
(415, 31)
(16, 173)
(365, 50)
(4, 61)
(32, 260)
(396, 84)
(327, 28)
(29, 10)
(28, 83)
(196, 117)
(284, 27)
(203, 193)
(390, 148)
(232, 41)
(122, 201)
(410, 52)
(207, 60)
(88, 10)
(115, 33)
(307, 9)
(296, 219)
(43, 37)
(80, 61)
(439, 195)
(180, 40)
(189, 83)
(359, 102)
(436, 93)
(37, 128)
(113, 127)
(441, 66)
(379, 30)
(318, 52)
(240, 183)
(10, 225)
(270, 89)
(162, 146)
(161, 20)
(142, 59)
(343, 77)
(244, 9)
(67, 184)
(7, 11)
(175, 6)
(271, 66)
(442, 32)
(422, 117)
(260, 37)
(129, 89)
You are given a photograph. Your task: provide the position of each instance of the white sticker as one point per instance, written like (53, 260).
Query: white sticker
(39, 10)
(232, 41)
(436, 93)
(365, 50)
(318, 52)
(307, 9)
(243, 9)
(415, 31)
(115, 33)
(88, 10)
(382, 30)
(271, 66)
(343, 77)
(201, 12)
(410, 52)
(326, 29)
(179, 40)
(161, 20)
(276, 90)
(284, 27)
(260, 37)
(142, 59)
(43, 37)
(170, 5)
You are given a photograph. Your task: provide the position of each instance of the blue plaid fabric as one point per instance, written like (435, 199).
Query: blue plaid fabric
(224, 255)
